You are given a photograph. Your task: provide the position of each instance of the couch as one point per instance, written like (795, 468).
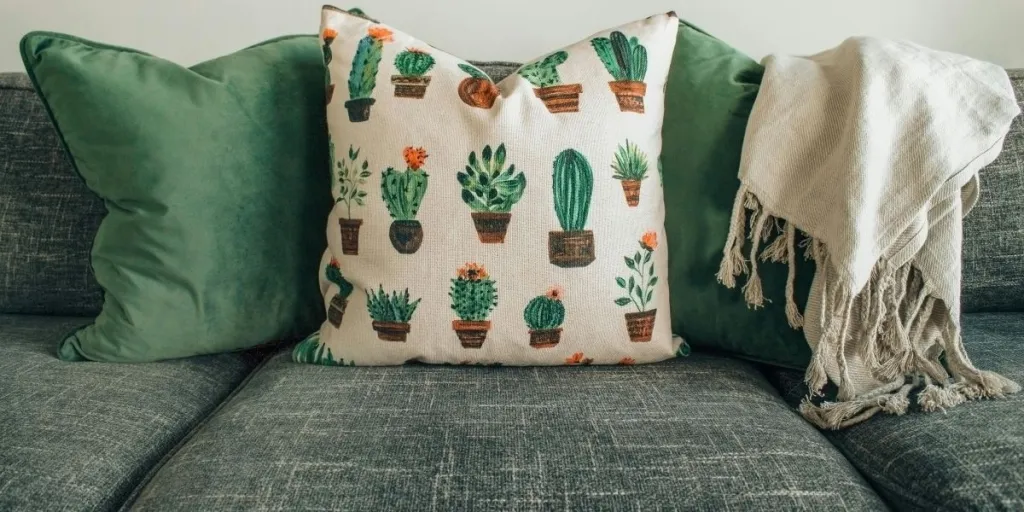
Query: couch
(254, 431)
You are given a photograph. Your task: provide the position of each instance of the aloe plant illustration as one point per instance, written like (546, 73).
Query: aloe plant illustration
(391, 313)
(412, 65)
(352, 177)
(543, 74)
(573, 186)
(631, 169)
(477, 90)
(403, 193)
(336, 311)
(544, 315)
(626, 60)
(490, 190)
(312, 351)
(474, 295)
(639, 289)
(362, 79)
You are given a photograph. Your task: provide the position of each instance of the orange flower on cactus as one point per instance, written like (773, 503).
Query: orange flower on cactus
(473, 272)
(649, 241)
(329, 34)
(555, 293)
(334, 263)
(415, 157)
(627, 361)
(578, 359)
(381, 34)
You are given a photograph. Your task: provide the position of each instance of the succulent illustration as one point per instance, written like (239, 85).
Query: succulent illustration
(624, 58)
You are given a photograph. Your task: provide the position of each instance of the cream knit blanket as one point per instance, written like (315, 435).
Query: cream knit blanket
(872, 150)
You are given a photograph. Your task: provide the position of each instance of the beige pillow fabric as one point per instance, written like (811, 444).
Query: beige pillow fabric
(515, 223)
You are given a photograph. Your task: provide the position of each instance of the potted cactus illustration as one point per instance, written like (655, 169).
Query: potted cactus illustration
(336, 311)
(363, 77)
(412, 65)
(390, 313)
(544, 315)
(403, 192)
(639, 289)
(543, 74)
(626, 60)
(630, 169)
(327, 36)
(477, 90)
(474, 296)
(351, 179)
(491, 190)
(573, 186)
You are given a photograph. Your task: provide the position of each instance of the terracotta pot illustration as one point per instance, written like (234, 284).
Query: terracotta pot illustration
(359, 109)
(630, 95)
(478, 92)
(410, 86)
(471, 334)
(337, 310)
(569, 249)
(545, 338)
(632, 190)
(560, 98)
(391, 331)
(350, 235)
(330, 93)
(491, 226)
(406, 235)
(640, 325)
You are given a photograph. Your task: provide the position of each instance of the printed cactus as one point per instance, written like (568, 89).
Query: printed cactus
(414, 62)
(487, 186)
(544, 72)
(332, 272)
(403, 191)
(624, 58)
(328, 35)
(573, 185)
(393, 307)
(363, 77)
(473, 293)
(545, 311)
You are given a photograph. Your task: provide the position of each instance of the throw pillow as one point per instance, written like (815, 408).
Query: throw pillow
(211, 175)
(518, 222)
(711, 89)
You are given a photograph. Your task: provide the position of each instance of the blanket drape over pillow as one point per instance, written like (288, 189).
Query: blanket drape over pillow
(873, 150)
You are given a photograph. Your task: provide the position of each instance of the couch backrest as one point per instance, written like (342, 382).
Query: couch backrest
(48, 218)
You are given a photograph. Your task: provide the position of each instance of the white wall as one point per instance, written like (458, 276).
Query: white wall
(189, 31)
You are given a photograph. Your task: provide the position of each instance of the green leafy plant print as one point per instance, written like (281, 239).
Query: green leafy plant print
(573, 187)
(412, 65)
(391, 313)
(352, 177)
(544, 315)
(543, 74)
(403, 193)
(474, 295)
(639, 288)
(630, 168)
(362, 79)
(490, 190)
(626, 60)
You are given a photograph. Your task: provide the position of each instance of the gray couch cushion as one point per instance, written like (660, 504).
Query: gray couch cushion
(969, 458)
(81, 436)
(994, 232)
(48, 217)
(699, 432)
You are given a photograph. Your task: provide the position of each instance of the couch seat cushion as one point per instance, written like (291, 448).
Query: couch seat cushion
(81, 436)
(968, 458)
(700, 432)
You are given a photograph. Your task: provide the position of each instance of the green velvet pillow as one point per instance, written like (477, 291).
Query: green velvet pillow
(213, 178)
(711, 89)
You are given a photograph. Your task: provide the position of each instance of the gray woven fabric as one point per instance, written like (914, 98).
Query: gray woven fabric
(993, 254)
(80, 436)
(48, 218)
(497, 70)
(969, 458)
(695, 433)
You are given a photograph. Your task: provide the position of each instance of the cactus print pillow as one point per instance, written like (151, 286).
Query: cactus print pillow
(517, 223)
